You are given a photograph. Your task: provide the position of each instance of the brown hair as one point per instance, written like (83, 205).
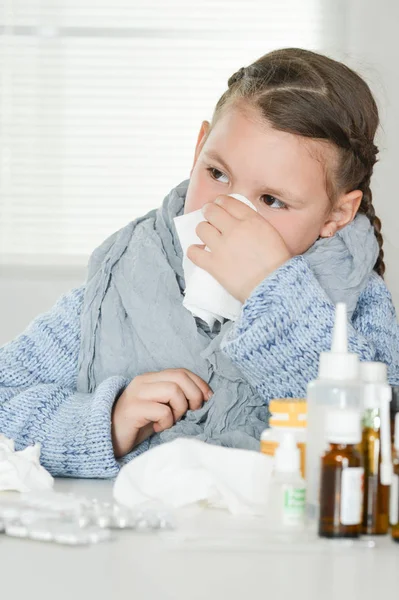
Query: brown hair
(310, 95)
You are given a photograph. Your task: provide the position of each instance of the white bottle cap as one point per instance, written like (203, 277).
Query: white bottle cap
(343, 426)
(373, 372)
(287, 457)
(339, 364)
(375, 376)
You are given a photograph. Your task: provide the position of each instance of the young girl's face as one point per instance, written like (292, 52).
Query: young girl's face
(282, 174)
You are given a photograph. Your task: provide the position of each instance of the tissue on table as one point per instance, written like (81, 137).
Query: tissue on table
(204, 296)
(187, 471)
(21, 471)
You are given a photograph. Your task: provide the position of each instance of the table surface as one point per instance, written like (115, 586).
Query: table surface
(210, 555)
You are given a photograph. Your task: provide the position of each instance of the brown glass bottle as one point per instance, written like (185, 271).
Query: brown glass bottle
(394, 508)
(376, 496)
(337, 459)
(395, 527)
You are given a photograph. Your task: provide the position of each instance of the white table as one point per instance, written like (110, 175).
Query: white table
(144, 566)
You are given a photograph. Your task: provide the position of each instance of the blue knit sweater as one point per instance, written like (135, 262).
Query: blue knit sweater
(283, 327)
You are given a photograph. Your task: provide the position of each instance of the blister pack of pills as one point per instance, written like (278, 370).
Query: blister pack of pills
(68, 519)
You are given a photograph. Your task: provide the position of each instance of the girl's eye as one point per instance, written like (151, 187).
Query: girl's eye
(272, 201)
(216, 174)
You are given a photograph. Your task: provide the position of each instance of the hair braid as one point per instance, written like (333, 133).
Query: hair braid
(367, 208)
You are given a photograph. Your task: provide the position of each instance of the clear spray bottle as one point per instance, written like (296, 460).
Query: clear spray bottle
(338, 386)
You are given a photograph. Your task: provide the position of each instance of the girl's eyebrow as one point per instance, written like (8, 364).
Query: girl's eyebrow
(279, 193)
(215, 156)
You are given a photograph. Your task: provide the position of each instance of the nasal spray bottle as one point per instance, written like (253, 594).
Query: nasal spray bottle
(338, 386)
(376, 448)
(286, 501)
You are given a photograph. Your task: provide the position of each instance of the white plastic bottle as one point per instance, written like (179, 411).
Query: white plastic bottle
(338, 386)
(286, 500)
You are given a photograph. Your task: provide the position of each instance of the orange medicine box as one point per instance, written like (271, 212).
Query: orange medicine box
(287, 414)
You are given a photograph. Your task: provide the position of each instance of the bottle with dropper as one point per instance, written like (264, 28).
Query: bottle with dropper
(338, 386)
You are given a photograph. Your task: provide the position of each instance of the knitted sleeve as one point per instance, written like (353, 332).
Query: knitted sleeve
(287, 321)
(39, 401)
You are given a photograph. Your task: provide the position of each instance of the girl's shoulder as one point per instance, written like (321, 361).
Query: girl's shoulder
(375, 298)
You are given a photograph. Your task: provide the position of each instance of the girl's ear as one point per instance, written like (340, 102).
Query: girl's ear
(203, 134)
(343, 212)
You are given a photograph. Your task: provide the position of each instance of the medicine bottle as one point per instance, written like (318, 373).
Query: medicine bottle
(376, 448)
(394, 505)
(286, 499)
(338, 386)
(341, 476)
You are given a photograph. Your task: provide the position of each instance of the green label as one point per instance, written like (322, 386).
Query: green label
(294, 497)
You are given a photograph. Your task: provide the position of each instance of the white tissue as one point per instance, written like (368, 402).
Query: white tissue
(21, 471)
(187, 471)
(204, 296)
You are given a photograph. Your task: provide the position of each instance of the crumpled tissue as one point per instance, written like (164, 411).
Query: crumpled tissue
(21, 470)
(188, 471)
(204, 297)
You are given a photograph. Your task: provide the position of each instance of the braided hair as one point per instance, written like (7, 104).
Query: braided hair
(311, 95)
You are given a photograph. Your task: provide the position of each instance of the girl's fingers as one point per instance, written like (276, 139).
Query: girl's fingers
(159, 414)
(200, 257)
(195, 389)
(219, 217)
(165, 392)
(203, 385)
(234, 208)
(208, 234)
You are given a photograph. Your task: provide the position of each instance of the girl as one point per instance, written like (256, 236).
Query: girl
(120, 365)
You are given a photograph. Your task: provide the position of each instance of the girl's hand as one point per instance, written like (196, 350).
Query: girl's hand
(244, 247)
(152, 403)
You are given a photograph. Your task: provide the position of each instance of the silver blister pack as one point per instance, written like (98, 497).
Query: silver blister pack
(68, 519)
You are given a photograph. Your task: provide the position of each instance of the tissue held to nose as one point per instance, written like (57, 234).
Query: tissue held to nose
(204, 296)
(243, 199)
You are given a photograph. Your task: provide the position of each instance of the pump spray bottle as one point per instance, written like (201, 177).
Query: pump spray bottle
(338, 386)
(376, 448)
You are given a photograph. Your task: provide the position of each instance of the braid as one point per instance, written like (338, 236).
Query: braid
(367, 208)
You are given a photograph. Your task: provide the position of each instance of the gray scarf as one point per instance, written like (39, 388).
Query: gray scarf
(133, 320)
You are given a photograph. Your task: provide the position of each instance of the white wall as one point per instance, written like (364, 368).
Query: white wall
(373, 48)
(27, 292)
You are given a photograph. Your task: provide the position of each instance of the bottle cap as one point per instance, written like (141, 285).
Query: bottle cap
(288, 412)
(339, 364)
(376, 389)
(287, 457)
(373, 372)
(343, 426)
